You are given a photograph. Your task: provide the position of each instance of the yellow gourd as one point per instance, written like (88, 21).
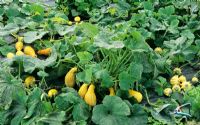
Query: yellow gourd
(69, 23)
(19, 53)
(77, 19)
(176, 88)
(167, 91)
(195, 79)
(52, 93)
(19, 44)
(10, 55)
(112, 91)
(83, 89)
(182, 79)
(45, 52)
(70, 77)
(158, 50)
(137, 95)
(177, 71)
(29, 81)
(28, 50)
(186, 86)
(90, 97)
(175, 80)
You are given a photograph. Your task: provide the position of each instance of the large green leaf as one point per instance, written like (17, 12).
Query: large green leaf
(125, 80)
(31, 36)
(113, 111)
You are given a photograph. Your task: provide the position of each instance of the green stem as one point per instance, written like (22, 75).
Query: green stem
(150, 103)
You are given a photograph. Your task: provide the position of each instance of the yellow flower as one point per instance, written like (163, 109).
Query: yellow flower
(137, 95)
(52, 93)
(168, 91)
(175, 80)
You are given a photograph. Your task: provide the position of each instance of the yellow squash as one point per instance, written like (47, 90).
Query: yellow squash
(158, 50)
(177, 71)
(45, 52)
(83, 89)
(10, 55)
(19, 53)
(19, 44)
(175, 80)
(28, 50)
(182, 79)
(52, 93)
(69, 23)
(186, 86)
(112, 91)
(195, 80)
(70, 77)
(29, 81)
(90, 97)
(176, 88)
(167, 91)
(137, 95)
(77, 19)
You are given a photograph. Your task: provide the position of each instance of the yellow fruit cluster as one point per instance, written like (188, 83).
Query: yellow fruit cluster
(19, 45)
(179, 82)
(88, 94)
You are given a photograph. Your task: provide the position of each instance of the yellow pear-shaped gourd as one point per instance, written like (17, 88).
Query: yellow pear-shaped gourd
(45, 52)
(19, 44)
(90, 97)
(70, 77)
(10, 55)
(19, 53)
(137, 95)
(29, 81)
(182, 79)
(28, 50)
(112, 91)
(52, 93)
(175, 80)
(168, 91)
(83, 89)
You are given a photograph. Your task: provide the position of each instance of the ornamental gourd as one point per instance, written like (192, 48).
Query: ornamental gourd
(90, 97)
(175, 80)
(19, 53)
(112, 91)
(70, 77)
(186, 86)
(176, 88)
(28, 50)
(45, 52)
(19, 44)
(29, 81)
(182, 79)
(167, 91)
(137, 95)
(83, 89)
(52, 93)
(10, 55)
